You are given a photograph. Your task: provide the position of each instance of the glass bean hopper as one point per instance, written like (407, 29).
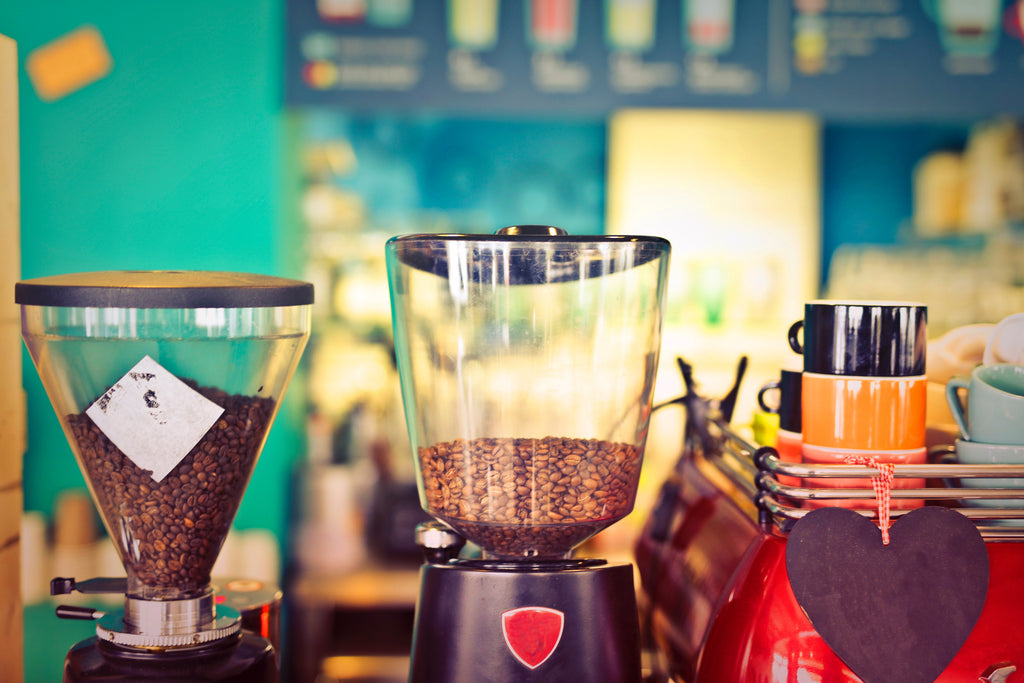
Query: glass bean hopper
(165, 384)
(527, 361)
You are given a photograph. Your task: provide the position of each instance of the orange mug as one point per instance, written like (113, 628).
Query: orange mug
(864, 413)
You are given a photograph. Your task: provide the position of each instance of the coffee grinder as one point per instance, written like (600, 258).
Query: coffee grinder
(527, 361)
(166, 384)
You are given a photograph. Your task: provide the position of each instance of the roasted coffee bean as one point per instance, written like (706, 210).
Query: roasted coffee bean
(523, 497)
(171, 531)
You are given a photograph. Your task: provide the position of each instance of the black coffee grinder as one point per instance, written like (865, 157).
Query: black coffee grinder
(166, 384)
(527, 362)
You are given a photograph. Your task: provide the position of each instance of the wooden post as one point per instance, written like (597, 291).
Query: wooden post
(12, 396)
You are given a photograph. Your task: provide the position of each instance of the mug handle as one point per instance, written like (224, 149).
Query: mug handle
(774, 384)
(956, 406)
(794, 341)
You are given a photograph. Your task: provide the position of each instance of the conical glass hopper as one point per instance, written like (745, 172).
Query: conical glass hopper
(527, 361)
(165, 384)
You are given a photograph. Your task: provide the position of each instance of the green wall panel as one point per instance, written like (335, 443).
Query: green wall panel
(173, 160)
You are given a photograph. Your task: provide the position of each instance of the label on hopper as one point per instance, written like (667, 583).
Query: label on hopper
(153, 417)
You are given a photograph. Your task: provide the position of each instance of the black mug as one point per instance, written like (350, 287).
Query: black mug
(789, 387)
(862, 338)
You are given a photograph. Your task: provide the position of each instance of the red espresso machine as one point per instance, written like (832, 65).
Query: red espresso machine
(715, 598)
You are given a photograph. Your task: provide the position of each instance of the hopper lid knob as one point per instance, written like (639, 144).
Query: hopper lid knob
(532, 231)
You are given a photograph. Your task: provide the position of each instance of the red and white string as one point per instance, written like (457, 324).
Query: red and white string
(882, 485)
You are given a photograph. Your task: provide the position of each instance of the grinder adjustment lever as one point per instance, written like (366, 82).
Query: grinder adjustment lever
(64, 586)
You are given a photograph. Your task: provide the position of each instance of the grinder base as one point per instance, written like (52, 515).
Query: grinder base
(526, 624)
(244, 658)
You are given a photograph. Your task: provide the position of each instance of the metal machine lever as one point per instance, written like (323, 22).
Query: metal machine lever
(997, 673)
(64, 586)
(83, 613)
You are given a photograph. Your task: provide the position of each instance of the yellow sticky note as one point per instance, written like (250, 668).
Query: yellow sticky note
(68, 63)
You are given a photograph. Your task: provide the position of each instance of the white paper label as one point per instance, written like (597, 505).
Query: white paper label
(153, 417)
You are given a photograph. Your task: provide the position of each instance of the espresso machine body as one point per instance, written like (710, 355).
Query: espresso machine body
(716, 598)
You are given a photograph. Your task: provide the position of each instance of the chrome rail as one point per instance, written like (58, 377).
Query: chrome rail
(756, 471)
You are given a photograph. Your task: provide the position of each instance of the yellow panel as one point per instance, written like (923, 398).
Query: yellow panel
(12, 399)
(721, 183)
(738, 195)
(68, 63)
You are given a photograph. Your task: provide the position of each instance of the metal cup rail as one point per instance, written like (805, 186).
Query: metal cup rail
(755, 472)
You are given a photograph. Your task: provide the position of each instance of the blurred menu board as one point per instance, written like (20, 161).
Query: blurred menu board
(862, 58)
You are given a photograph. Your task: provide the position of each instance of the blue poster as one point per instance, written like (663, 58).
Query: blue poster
(912, 59)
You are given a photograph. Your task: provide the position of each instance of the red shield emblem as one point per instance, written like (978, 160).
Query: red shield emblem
(532, 633)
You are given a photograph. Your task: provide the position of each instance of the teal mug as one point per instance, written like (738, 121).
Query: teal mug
(974, 453)
(995, 404)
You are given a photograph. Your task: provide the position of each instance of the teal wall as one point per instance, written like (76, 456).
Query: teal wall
(174, 161)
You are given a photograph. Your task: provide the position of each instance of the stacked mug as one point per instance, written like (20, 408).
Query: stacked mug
(863, 389)
(788, 409)
(991, 425)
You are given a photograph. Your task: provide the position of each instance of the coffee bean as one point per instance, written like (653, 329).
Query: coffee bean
(529, 498)
(169, 533)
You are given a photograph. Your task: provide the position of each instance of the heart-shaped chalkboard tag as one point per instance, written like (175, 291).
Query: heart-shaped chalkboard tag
(896, 612)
